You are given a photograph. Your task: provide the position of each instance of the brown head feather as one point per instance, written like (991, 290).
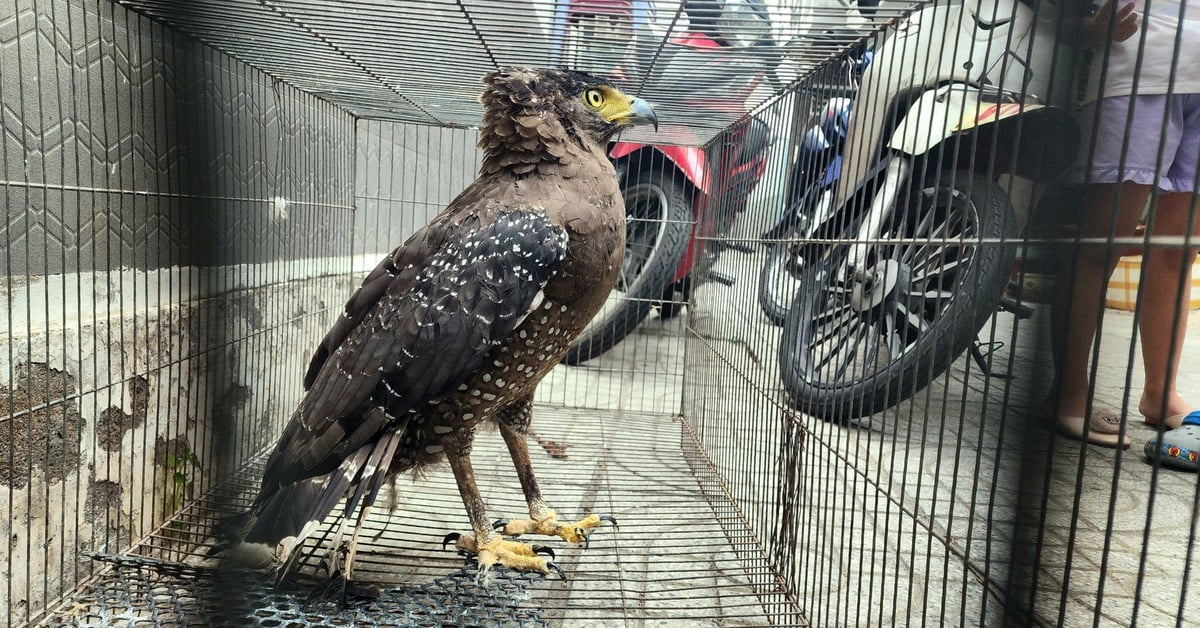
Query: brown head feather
(533, 116)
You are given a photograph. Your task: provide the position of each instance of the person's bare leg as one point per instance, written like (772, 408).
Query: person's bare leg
(1093, 266)
(1164, 311)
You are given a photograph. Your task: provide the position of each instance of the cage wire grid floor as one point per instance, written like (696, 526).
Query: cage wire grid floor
(669, 559)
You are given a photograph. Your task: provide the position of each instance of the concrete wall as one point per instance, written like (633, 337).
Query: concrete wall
(179, 232)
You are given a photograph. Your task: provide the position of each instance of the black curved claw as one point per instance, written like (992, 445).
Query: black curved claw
(542, 549)
(453, 536)
(499, 524)
(610, 519)
(562, 574)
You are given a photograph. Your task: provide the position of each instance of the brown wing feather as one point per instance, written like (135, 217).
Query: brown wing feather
(425, 334)
(401, 267)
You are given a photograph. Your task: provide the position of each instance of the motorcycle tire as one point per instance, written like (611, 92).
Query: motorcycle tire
(658, 206)
(948, 276)
(776, 284)
(778, 279)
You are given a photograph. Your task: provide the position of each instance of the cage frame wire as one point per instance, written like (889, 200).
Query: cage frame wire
(782, 590)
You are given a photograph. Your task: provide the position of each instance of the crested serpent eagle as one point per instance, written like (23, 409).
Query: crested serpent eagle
(456, 328)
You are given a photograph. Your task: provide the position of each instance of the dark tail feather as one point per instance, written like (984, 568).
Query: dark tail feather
(277, 525)
(288, 509)
(250, 538)
(309, 514)
(372, 480)
(376, 467)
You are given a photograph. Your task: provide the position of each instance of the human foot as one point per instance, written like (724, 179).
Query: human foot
(1176, 410)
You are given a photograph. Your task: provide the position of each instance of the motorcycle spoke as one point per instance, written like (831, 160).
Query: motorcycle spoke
(892, 333)
(923, 272)
(863, 333)
(829, 314)
(836, 328)
(838, 289)
(838, 348)
(938, 226)
(935, 294)
(871, 352)
(914, 319)
(906, 251)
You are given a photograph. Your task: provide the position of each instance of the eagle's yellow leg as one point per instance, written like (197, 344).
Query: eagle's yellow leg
(542, 519)
(487, 544)
(576, 532)
(498, 551)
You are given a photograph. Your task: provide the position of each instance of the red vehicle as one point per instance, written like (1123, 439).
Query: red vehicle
(679, 198)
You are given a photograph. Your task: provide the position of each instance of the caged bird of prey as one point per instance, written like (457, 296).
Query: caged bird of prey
(456, 328)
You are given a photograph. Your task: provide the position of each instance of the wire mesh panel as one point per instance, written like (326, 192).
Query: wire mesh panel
(174, 222)
(875, 401)
(816, 396)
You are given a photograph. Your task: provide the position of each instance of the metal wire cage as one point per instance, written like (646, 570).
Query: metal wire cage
(192, 189)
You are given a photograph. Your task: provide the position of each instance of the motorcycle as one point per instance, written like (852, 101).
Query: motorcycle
(674, 203)
(809, 198)
(915, 257)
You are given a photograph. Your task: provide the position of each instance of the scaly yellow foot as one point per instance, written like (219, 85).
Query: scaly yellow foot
(511, 554)
(549, 525)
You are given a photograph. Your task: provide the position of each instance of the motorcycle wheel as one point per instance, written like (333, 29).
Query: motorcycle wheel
(777, 285)
(778, 281)
(658, 213)
(852, 348)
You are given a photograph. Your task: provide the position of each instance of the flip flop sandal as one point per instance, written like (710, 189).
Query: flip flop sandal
(1103, 429)
(1173, 422)
(1180, 447)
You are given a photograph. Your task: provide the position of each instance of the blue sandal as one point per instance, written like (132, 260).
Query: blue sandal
(1180, 447)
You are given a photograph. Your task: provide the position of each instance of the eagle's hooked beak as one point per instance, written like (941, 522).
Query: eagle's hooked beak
(640, 112)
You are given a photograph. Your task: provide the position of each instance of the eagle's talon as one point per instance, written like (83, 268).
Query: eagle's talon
(574, 533)
(453, 536)
(542, 549)
(499, 524)
(552, 566)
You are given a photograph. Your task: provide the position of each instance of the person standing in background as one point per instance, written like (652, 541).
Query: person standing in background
(1142, 120)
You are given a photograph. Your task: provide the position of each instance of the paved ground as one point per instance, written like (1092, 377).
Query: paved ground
(911, 520)
(1146, 516)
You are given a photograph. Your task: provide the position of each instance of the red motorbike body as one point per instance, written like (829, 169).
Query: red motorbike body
(721, 189)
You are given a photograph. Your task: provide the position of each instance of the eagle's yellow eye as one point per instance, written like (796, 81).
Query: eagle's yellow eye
(594, 98)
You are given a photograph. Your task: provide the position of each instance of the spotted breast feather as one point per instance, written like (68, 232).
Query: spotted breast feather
(416, 332)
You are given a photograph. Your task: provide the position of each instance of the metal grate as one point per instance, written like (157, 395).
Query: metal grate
(145, 592)
(670, 557)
